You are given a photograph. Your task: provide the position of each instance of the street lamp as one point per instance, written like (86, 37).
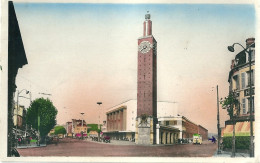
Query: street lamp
(26, 110)
(82, 119)
(18, 93)
(82, 125)
(249, 52)
(99, 103)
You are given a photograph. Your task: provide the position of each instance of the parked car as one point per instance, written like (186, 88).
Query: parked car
(60, 136)
(106, 139)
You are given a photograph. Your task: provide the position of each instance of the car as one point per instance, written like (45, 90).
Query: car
(60, 136)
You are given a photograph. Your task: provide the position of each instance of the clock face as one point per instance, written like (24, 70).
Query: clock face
(145, 47)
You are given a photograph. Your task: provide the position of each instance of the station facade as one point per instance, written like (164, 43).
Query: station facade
(121, 123)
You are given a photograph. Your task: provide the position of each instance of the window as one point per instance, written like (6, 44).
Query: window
(175, 122)
(236, 78)
(243, 78)
(252, 77)
(244, 106)
(252, 55)
(167, 123)
(253, 105)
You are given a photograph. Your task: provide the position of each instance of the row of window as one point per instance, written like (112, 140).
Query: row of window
(167, 123)
(245, 79)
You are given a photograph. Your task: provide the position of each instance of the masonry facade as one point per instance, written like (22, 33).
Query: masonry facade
(121, 121)
(146, 86)
(116, 119)
(75, 127)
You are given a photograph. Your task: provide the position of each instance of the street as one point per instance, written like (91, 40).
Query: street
(74, 147)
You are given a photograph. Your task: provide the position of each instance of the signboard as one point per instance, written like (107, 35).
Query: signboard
(246, 92)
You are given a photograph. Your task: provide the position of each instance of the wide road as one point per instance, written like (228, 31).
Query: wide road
(74, 147)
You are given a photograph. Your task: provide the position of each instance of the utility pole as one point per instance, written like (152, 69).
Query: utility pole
(251, 108)
(99, 103)
(218, 125)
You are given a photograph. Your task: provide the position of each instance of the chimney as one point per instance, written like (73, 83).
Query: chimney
(250, 41)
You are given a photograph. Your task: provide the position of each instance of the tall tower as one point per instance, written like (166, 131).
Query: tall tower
(146, 85)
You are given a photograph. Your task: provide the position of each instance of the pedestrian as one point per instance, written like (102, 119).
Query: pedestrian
(213, 139)
(19, 140)
(30, 139)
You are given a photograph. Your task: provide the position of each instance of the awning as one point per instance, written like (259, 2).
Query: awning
(241, 129)
(170, 128)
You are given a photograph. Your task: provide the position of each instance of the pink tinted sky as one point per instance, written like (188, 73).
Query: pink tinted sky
(85, 53)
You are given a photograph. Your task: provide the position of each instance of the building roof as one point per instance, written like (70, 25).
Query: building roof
(113, 107)
(188, 120)
(202, 127)
(165, 107)
(241, 61)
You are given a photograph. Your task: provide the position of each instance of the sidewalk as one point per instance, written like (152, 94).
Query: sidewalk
(122, 142)
(114, 142)
(228, 154)
(30, 146)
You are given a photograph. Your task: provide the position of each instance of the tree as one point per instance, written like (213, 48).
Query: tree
(59, 130)
(93, 127)
(231, 103)
(47, 112)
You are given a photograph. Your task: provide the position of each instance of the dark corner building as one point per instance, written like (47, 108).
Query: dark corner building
(16, 59)
(239, 82)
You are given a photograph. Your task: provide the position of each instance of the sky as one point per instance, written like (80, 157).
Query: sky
(84, 53)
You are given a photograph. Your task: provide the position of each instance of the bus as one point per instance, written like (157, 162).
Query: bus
(197, 139)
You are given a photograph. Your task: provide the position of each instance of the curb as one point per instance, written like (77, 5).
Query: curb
(24, 147)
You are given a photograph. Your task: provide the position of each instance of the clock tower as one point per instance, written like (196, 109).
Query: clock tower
(146, 86)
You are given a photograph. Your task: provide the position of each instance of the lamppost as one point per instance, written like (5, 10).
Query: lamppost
(18, 93)
(249, 52)
(218, 125)
(82, 125)
(99, 103)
